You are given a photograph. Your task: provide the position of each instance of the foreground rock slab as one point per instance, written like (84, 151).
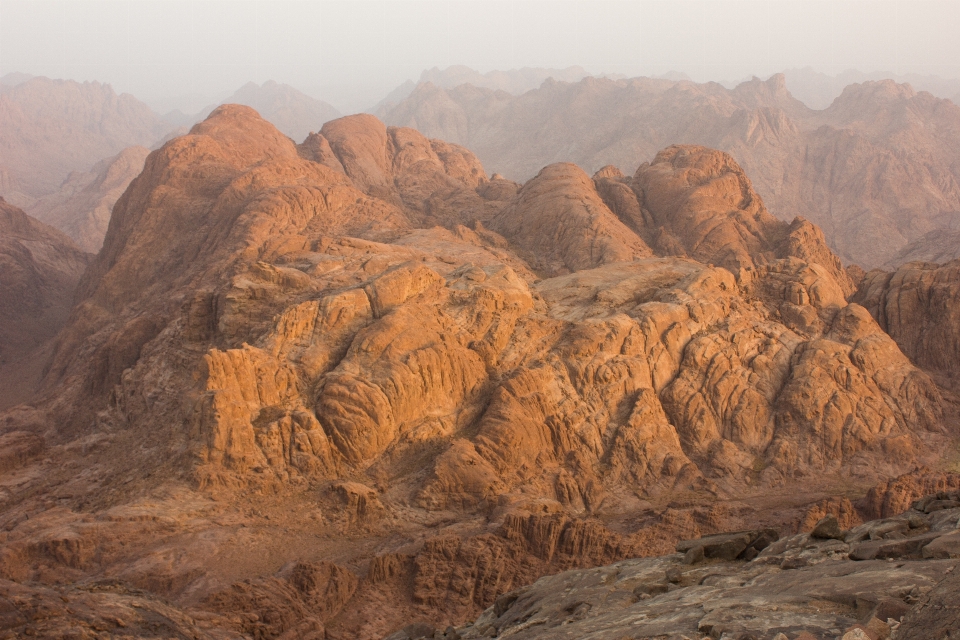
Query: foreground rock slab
(800, 586)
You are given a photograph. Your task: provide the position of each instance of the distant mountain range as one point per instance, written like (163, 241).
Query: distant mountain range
(874, 168)
(877, 169)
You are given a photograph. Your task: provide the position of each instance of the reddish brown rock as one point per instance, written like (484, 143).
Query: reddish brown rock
(278, 358)
(562, 225)
(916, 305)
(876, 170)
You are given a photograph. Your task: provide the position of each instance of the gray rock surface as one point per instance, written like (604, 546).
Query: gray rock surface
(886, 579)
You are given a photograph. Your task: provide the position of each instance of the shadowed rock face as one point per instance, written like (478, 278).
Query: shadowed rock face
(917, 305)
(876, 170)
(361, 350)
(40, 269)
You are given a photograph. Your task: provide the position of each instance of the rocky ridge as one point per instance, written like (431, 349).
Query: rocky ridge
(40, 270)
(361, 351)
(916, 306)
(874, 169)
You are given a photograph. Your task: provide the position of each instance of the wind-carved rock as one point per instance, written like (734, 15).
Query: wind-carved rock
(288, 326)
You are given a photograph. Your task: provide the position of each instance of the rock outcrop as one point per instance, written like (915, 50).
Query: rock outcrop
(799, 587)
(876, 170)
(917, 305)
(425, 387)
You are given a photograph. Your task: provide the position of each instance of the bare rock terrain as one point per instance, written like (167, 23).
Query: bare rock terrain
(890, 578)
(876, 170)
(39, 272)
(338, 387)
(917, 306)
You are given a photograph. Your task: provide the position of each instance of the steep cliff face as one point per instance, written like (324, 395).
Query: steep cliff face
(917, 305)
(376, 356)
(39, 271)
(876, 170)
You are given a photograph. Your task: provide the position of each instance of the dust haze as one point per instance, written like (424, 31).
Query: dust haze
(186, 55)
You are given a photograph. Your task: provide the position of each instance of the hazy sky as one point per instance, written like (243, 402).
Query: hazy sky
(358, 51)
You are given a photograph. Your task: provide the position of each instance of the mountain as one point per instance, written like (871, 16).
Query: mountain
(330, 389)
(514, 81)
(291, 111)
(39, 271)
(14, 78)
(50, 128)
(876, 170)
(940, 245)
(82, 206)
(818, 90)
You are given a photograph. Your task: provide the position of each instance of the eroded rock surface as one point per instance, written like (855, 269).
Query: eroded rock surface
(802, 586)
(917, 306)
(362, 356)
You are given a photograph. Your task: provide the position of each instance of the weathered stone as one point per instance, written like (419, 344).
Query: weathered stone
(882, 548)
(827, 528)
(946, 546)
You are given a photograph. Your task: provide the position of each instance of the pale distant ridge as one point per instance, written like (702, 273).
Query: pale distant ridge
(876, 170)
(290, 110)
(817, 90)
(49, 128)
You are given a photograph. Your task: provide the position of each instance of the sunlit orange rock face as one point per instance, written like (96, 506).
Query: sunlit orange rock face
(337, 387)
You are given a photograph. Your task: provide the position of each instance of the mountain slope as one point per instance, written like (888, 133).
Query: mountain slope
(49, 128)
(291, 111)
(876, 170)
(39, 271)
(335, 387)
(82, 206)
